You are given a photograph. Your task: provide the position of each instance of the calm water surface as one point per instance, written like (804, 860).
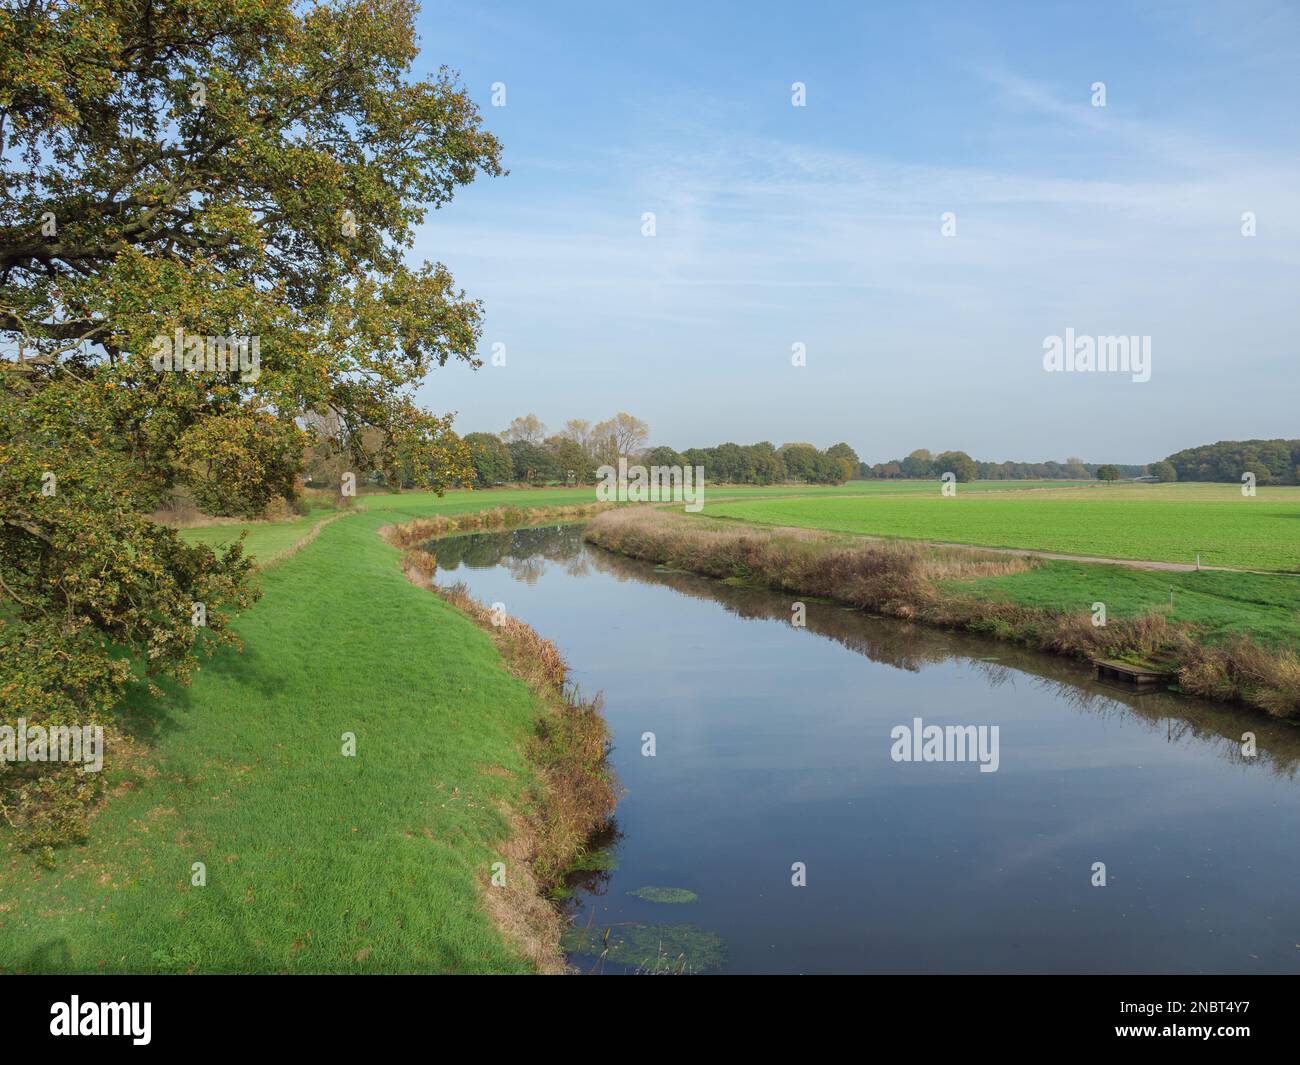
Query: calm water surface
(773, 747)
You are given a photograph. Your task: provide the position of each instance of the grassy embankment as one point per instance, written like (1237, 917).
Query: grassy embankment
(966, 588)
(315, 862)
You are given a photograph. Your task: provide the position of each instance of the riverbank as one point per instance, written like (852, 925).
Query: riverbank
(575, 792)
(309, 859)
(935, 585)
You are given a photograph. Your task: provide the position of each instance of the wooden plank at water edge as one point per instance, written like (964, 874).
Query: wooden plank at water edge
(1110, 669)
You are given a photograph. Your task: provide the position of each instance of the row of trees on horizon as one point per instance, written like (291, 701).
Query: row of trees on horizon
(527, 452)
(922, 465)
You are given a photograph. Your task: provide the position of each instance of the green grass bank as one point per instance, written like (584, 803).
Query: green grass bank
(315, 862)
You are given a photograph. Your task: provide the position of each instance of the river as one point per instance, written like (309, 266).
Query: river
(775, 828)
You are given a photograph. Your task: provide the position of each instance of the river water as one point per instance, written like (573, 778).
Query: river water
(776, 759)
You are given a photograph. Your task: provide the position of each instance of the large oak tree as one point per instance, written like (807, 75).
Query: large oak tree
(222, 168)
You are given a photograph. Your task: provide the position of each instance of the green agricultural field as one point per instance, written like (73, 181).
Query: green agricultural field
(1163, 523)
(899, 487)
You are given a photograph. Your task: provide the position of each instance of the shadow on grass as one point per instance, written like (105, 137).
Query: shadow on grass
(144, 716)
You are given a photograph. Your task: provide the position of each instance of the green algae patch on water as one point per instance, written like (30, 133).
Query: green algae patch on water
(649, 948)
(674, 895)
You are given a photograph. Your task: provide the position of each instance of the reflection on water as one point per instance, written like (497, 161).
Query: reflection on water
(523, 553)
(772, 747)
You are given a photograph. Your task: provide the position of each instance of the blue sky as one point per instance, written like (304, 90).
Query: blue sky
(821, 225)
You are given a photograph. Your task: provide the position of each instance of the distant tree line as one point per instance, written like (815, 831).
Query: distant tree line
(923, 465)
(526, 452)
(1271, 461)
(764, 463)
